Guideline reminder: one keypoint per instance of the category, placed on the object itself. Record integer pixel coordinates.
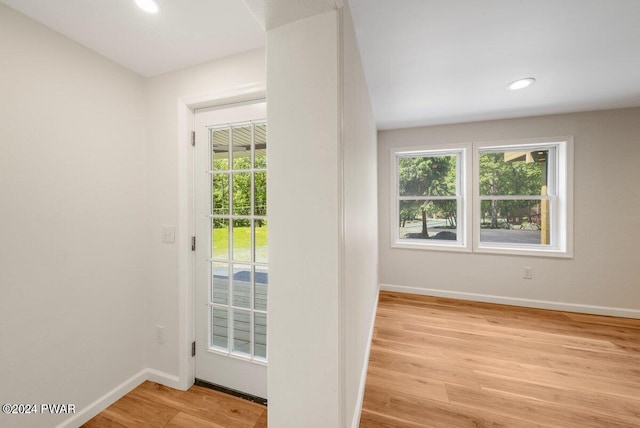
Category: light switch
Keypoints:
(169, 234)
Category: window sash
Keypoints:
(462, 186)
(552, 225)
(429, 154)
(553, 197)
(429, 198)
(552, 164)
(460, 239)
(518, 197)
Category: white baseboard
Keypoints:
(515, 301)
(355, 423)
(118, 392)
(163, 378)
(105, 401)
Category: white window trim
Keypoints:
(469, 197)
(462, 244)
(562, 239)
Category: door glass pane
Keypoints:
(220, 197)
(242, 240)
(261, 283)
(260, 335)
(239, 231)
(242, 193)
(220, 149)
(427, 176)
(260, 146)
(242, 286)
(220, 239)
(261, 233)
(428, 219)
(241, 331)
(220, 283)
(220, 328)
(260, 195)
(515, 222)
(241, 142)
(514, 173)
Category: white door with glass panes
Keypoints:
(231, 246)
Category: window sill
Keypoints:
(520, 251)
(496, 250)
(431, 245)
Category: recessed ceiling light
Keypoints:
(521, 84)
(148, 5)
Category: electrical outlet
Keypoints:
(159, 334)
(527, 272)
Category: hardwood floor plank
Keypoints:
(437, 344)
(586, 382)
(371, 419)
(101, 421)
(434, 414)
(419, 366)
(564, 396)
(376, 399)
(617, 336)
(608, 367)
(597, 320)
(184, 420)
(389, 345)
(204, 403)
(630, 359)
(135, 412)
(532, 335)
(262, 420)
(410, 383)
(155, 405)
(544, 412)
(501, 366)
(401, 315)
(474, 362)
(434, 311)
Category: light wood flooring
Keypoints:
(155, 405)
(447, 363)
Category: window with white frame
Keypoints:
(514, 198)
(522, 197)
(430, 205)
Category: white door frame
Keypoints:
(186, 229)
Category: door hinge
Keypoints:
(193, 243)
(193, 348)
(193, 138)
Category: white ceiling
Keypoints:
(183, 33)
(426, 61)
(436, 61)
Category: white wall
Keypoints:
(93, 165)
(303, 323)
(603, 275)
(360, 283)
(323, 220)
(169, 201)
(72, 232)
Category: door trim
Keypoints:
(186, 211)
